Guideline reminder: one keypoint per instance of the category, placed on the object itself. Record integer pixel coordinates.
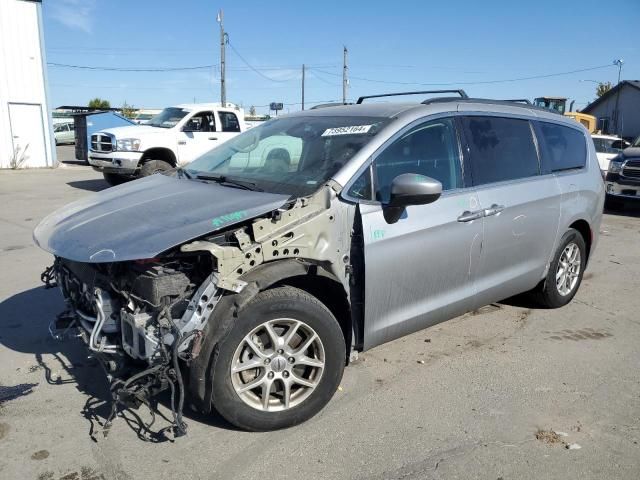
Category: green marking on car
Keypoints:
(229, 217)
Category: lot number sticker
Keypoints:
(354, 130)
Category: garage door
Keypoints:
(27, 134)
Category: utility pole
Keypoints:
(345, 80)
(223, 37)
(619, 63)
(303, 86)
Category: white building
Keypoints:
(25, 124)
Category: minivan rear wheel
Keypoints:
(280, 363)
(565, 272)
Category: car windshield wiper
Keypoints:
(182, 172)
(229, 181)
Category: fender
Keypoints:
(225, 313)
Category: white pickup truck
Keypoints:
(174, 137)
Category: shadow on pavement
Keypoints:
(92, 185)
(24, 322)
(630, 209)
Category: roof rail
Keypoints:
(332, 104)
(518, 100)
(460, 92)
(486, 101)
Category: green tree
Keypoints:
(99, 104)
(252, 111)
(602, 88)
(128, 110)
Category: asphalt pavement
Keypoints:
(497, 394)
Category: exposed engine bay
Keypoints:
(143, 319)
(130, 315)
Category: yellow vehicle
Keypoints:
(559, 104)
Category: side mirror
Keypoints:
(191, 127)
(413, 189)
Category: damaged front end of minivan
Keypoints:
(153, 316)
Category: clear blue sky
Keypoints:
(407, 42)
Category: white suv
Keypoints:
(174, 137)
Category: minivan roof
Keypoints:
(436, 105)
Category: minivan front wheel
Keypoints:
(565, 272)
(281, 362)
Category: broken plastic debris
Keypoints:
(421, 361)
(339, 389)
(573, 446)
(562, 434)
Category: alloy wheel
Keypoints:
(277, 365)
(568, 271)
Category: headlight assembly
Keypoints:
(128, 144)
(615, 166)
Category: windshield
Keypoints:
(167, 118)
(636, 142)
(610, 145)
(293, 156)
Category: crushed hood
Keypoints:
(146, 217)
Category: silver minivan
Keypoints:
(250, 285)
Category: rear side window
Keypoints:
(563, 148)
(229, 122)
(500, 149)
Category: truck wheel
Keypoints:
(154, 166)
(565, 272)
(114, 179)
(280, 363)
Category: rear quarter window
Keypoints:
(562, 148)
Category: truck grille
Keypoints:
(102, 142)
(631, 168)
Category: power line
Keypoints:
(312, 70)
(480, 82)
(126, 69)
(255, 69)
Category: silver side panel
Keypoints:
(520, 238)
(420, 270)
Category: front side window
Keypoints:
(430, 149)
(168, 118)
(293, 155)
(500, 149)
(564, 148)
(201, 122)
(229, 122)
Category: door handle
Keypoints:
(493, 210)
(468, 216)
(213, 138)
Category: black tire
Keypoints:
(612, 203)
(278, 303)
(114, 179)
(549, 295)
(154, 166)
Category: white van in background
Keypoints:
(607, 147)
